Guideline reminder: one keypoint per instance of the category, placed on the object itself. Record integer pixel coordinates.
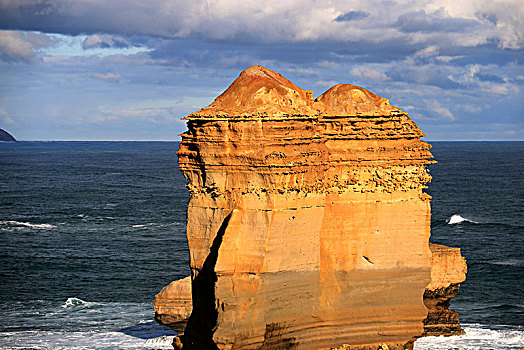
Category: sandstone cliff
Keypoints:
(307, 225)
(173, 304)
(448, 271)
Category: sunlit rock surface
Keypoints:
(448, 271)
(173, 304)
(307, 225)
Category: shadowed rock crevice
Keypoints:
(203, 320)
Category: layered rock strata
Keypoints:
(448, 271)
(307, 224)
(173, 304)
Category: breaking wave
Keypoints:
(163, 342)
(476, 337)
(457, 219)
(76, 303)
(19, 224)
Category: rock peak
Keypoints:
(259, 91)
(347, 99)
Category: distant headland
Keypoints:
(5, 136)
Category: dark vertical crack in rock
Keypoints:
(203, 320)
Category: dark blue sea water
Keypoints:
(91, 231)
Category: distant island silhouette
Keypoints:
(5, 136)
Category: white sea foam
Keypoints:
(80, 340)
(19, 224)
(457, 219)
(476, 337)
(145, 225)
(162, 342)
(76, 303)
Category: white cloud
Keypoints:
(104, 41)
(429, 51)
(441, 111)
(149, 115)
(276, 20)
(447, 59)
(14, 46)
(503, 20)
(364, 73)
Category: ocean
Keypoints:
(91, 231)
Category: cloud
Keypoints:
(444, 59)
(104, 41)
(364, 74)
(436, 22)
(441, 111)
(14, 47)
(143, 115)
(468, 23)
(429, 51)
(5, 117)
(111, 77)
(351, 16)
(426, 74)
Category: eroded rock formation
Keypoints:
(307, 225)
(173, 304)
(448, 271)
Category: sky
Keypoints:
(131, 69)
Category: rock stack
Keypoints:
(307, 225)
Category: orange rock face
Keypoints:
(307, 225)
(448, 271)
(173, 304)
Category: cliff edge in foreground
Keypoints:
(307, 224)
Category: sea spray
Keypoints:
(457, 219)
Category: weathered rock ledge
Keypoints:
(307, 224)
(448, 271)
